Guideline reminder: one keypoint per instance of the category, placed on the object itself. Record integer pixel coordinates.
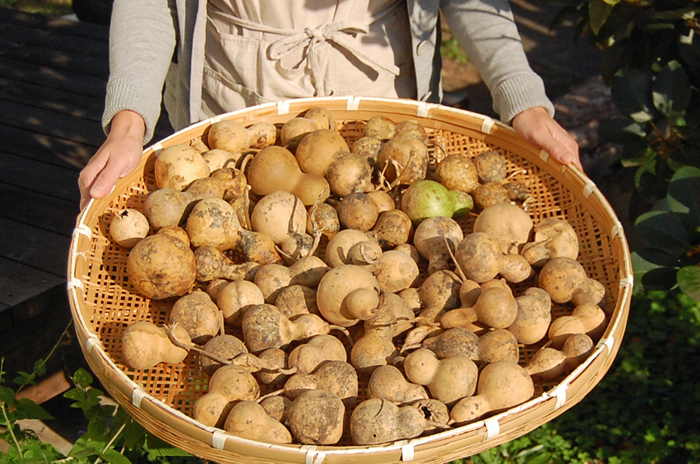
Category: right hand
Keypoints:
(118, 156)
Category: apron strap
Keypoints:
(337, 33)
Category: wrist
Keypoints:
(127, 124)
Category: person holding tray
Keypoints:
(217, 56)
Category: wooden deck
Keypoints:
(53, 74)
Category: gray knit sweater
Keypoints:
(155, 43)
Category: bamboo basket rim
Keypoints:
(482, 434)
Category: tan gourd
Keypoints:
(228, 135)
(357, 211)
(586, 318)
(496, 308)
(507, 224)
(387, 382)
(441, 290)
(198, 315)
(447, 379)
(452, 342)
(229, 384)
(534, 316)
(481, 259)
(403, 159)
(566, 281)
(145, 344)
(376, 421)
(376, 347)
(211, 264)
(222, 347)
(501, 385)
(316, 417)
(294, 300)
(265, 327)
(275, 168)
(128, 227)
(248, 419)
(161, 266)
(235, 297)
(339, 283)
(213, 222)
(306, 357)
(337, 377)
(554, 237)
(178, 165)
(316, 151)
(431, 239)
(498, 345)
(294, 129)
(549, 363)
(392, 228)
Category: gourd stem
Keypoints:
(457, 266)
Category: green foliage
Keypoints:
(450, 48)
(47, 7)
(112, 436)
(652, 64)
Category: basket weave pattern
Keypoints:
(162, 398)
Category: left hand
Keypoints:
(537, 127)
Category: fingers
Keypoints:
(89, 174)
(561, 146)
(98, 177)
(537, 127)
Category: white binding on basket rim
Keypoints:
(82, 229)
(493, 428)
(137, 396)
(283, 107)
(313, 456)
(487, 124)
(408, 451)
(218, 439)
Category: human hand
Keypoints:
(537, 127)
(118, 156)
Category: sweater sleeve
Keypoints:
(141, 45)
(489, 35)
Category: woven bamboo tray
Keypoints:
(161, 398)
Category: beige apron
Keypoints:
(270, 50)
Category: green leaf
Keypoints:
(649, 183)
(663, 230)
(689, 281)
(159, 448)
(689, 48)
(115, 457)
(133, 434)
(40, 367)
(598, 13)
(637, 153)
(648, 259)
(671, 90)
(28, 409)
(82, 378)
(631, 93)
(24, 379)
(685, 154)
(7, 396)
(663, 279)
(684, 194)
(620, 130)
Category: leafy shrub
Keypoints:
(652, 65)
